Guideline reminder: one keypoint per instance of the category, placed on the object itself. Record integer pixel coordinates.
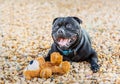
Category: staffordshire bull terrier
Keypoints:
(72, 41)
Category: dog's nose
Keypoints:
(60, 31)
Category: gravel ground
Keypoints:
(25, 33)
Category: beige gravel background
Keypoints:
(25, 33)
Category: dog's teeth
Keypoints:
(69, 40)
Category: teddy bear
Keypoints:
(44, 69)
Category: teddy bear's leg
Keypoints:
(65, 66)
(56, 58)
(57, 69)
(45, 73)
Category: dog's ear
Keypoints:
(78, 20)
(54, 20)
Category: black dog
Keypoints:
(72, 42)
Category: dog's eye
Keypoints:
(56, 27)
(68, 26)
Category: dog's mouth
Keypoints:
(66, 42)
(63, 41)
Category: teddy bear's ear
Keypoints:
(41, 60)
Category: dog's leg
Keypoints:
(94, 62)
(47, 58)
(53, 49)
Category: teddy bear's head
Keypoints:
(34, 67)
(35, 64)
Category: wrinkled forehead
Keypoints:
(64, 20)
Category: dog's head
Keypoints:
(66, 31)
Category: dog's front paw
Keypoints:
(95, 67)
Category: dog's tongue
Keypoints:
(63, 42)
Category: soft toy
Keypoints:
(40, 68)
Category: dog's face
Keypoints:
(66, 31)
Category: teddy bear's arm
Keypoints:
(57, 69)
(31, 74)
(56, 58)
(27, 76)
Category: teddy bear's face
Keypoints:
(33, 65)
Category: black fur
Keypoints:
(81, 49)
